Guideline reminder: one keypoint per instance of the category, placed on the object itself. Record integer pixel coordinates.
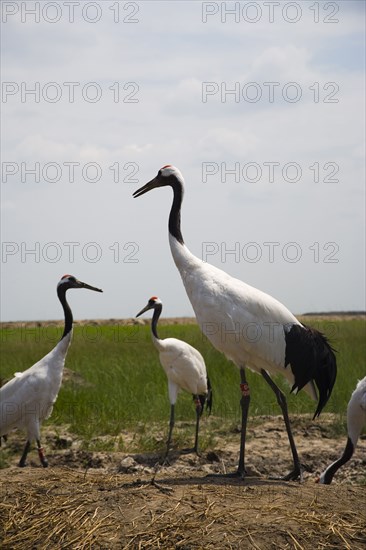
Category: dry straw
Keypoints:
(68, 509)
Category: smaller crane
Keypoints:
(184, 367)
(28, 398)
(356, 420)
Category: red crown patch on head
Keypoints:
(65, 276)
(167, 166)
(154, 298)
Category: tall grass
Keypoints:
(117, 381)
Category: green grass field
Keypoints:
(119, 383)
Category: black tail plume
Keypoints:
(311, 358)
(326, 374)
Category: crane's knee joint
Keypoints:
(244, 388)
(198, 408)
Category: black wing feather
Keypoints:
(311, 358)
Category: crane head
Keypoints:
(151, 304)
(69, 281)
(167, 175)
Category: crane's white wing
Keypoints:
(184, 365)
(244, 323)
(30, 395)
(238, 319)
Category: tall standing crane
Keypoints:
(229, 310)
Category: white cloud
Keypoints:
(168, 54)
(226, 143)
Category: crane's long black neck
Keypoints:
(154, 323)
(61, 293)
(174, 216)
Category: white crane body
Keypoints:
(184, 367)
(248, 324)
(28, 398)
(356, 411)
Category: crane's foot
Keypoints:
(164, 461)
(42, 457)
(22, 464)
(196, 451)
(190, 450)
(297, 474)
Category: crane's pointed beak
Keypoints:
(89, 287)
(156, 182)
(146, 308)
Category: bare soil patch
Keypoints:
(106, 500)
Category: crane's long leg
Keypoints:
(198, 415)
(41, 454)
(22, 461)
(244, 404)
(171, 426)
(281, 399)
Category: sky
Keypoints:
(259, 104)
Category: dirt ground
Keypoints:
(106, 500)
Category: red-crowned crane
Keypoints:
(356, 420)
(28, 398)
(185, 369)
(250, 327)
